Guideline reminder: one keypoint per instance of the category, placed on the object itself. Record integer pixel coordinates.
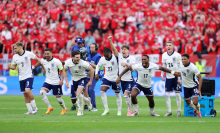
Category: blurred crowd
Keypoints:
(145, 25)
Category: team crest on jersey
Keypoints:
(174, 59)
(113, 63)
(149, 70)
(52, 65)
(128, 61)
(79, 67)
(26, 58)
(187, 71)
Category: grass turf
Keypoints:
(12, 118)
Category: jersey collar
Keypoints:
(171, 54)
(74, 63)
(187, 65)
(22, 54)
(51, 59)
(126, 57)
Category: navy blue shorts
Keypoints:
(26, 84)
(127, 86)
(172, 85)
(108, 83)
(82, 82)
(57, 89)
(146, 91)
(190, 92)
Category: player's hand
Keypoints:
(118, 80)
(89, 84)
(61, 82)
(97, 77)
(179, 81)
(123, 64)
(200, 94)
(110, 38)
(67, 85)
(177, 74)
(163, 79)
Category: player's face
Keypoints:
(17, 49)
(145, 61)
(169, 47)
(80, 45)
(92, 48)
(125, 52)
(185, 61)
(107, 56)
(47, 55)
(76, 58)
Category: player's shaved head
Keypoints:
(75, 52)
(107, 50)
(146, 56)
(145, 61)
(107, 53)
(48, 49)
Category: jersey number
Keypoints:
(170, 64)
(109, 68)
(22, 64)
(145, 75)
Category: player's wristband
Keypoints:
(172, 72)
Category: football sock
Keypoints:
(44, 98)
(119, 101)
(191, 105)
(33, 104)
(104, 100)
(198, 107)
(61, 102)
(128, 102)
(29, 107)
(135, 107)
(168, 102)
(178, 101)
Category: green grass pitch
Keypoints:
(12, 118)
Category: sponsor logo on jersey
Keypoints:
(149, 70)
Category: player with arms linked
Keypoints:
(143, 83)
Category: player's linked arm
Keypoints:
(13, 67)
(176, 74)
(122, 73)
(200, 84)
(91, 74)
(64, 74)
(115, 51)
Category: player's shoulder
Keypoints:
(42, 60)
(152, 64)
(68, 61)
(164, 54)
(15, 56)
(83, 62)
(177, 54)
(56, 60)
(28, 52)
(192, 65)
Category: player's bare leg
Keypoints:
(151, 105)
(134, 94)
(31, 97)
(43, 95)
(62, 104)
(104, 99)
(178, 101)
(28, 103)
(87, 100)
(195, 105)
(80, 98)
(128, 101)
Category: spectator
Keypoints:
(89, 38)
(7, 33)
(80, 25)
(211, 47)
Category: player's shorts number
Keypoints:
(27, 84)
(58, 90)
(195, 91)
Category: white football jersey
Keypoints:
(144, 74)
(171, 62)
(189, 74)
(52, 70)
(24, 64)
(111, 68)
(129, 60)
(78, 71)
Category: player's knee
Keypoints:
(167, 94)
(42, 92)
(27, 90)
(195, 102)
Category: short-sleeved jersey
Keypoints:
(52, 70)
(129, 60)
(189, 74)
(111, 68)
(24, 64)
(144, 74)
(78, 71)
(171, 62)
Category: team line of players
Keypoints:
(114, 63)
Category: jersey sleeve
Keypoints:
(66, 65)
(196, 71)
(134, 67)
(85, 64)
(155, 66)
(32, 55)
(99, 65)
(59, 65)
(13, 61)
